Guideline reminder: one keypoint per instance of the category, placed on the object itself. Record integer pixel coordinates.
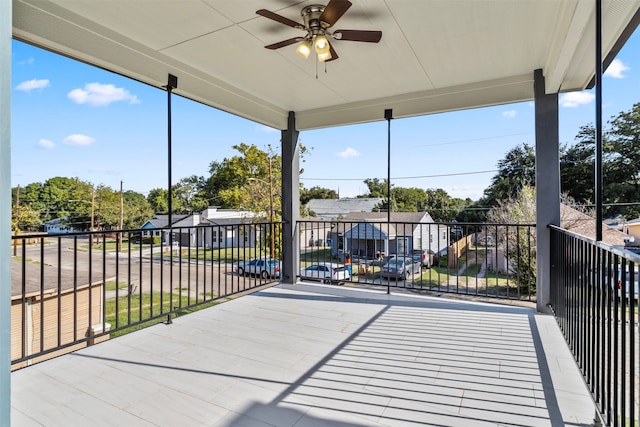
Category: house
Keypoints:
(189, 230)
(578, 222)
(338, 208)
(229, 231)
(314, 232)
(570, 219)
(632, 230)
(59, 226)
(368, 234)
(153, 226)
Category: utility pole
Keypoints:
(93, 198)
(272, 226)
(15, 241)
(99, 210)
(121, 219)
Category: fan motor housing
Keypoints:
(311, 16)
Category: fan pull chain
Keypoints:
(316, 69)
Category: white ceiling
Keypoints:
(434, 56)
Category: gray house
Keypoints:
(368, 234)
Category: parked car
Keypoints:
(400, 268)
(327, 272)
(623, 288)
(424, 257)
(267, 268)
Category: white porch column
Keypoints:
(5, 212)
(547, 184)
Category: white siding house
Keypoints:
(211, 228)
(368, 235)
(58, 225)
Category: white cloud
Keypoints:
(615, 69)
(30, 85)
(98, 94)
(575, 99)
(45, 143)
(510, 114)
(349, 152)
(78, 139)
(265, 129)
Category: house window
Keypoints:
(401, 245)
(444, 235)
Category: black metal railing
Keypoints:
(490, 260)
(76, 289)
(594, 297)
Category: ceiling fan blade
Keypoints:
(279, 18)
(334, 54)
(284, 43)
(333, 11)
(358, 35)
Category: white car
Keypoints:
(327, 272)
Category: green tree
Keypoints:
(252, 181)
(316, 193)
(136, 210)
(577, 164)
(190, 194)
(24, 218)
(409, 199)
(515, 171)
(442, 207)
(157, 199)
(518, 242)
(377, 187)
(228, 177)
(622, 176)
(620, 165)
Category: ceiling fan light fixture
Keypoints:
(304, 49)
(322, 57)
(321, 44)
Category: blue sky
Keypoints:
(71, 119)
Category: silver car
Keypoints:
(400, 268)
(267, 268)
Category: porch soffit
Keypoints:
(434, 56)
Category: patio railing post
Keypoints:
(290, 201)
(547, 183)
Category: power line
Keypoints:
(401, 177)
(471, 140)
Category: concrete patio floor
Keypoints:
(315, 355)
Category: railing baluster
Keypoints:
(605, 320)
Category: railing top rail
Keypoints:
(605, 246)
(40, 234)
(453, 224)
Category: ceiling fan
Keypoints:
(318, 20)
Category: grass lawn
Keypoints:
(150, 305)
(224, 255)
(111, 285)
